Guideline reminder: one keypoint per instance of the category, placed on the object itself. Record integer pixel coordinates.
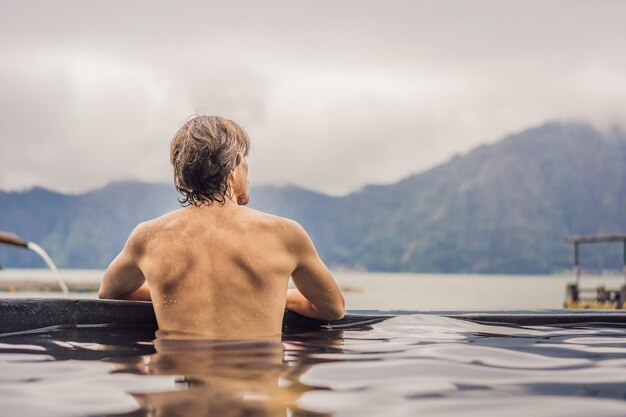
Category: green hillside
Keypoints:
(505, 207)
(502, 208)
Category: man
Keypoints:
(215, 267)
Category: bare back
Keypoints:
(218, 271)
(222, 271)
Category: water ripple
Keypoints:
(405, 366)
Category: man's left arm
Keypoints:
(123, 279)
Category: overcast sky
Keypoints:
(334, 94)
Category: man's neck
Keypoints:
(217, 205)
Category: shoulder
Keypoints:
(149, 230)
(287, 229)
(291, 233)
(139, 237)
(293, 230)
(278, 224)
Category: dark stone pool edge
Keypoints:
(24, 314)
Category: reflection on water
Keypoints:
(220, 377)
(404, 366)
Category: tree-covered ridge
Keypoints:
(502, 208)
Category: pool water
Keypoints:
(404, 366)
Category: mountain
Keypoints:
(505, 207)
(502, 208)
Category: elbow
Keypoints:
(339, 314)
(102, 294)
(340, 310)
(336, 313)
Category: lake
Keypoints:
(381, 291)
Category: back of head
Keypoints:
(202, 153)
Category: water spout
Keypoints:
(39, 251)
(14, 240)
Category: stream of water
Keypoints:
(44, 255)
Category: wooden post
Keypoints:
(624, 263)
(577, 263)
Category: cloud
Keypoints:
(334, 95)
(72, 120)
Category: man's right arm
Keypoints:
(317, 294)
(123, 279)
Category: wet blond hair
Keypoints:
(202, 153)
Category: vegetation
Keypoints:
(502, 208)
